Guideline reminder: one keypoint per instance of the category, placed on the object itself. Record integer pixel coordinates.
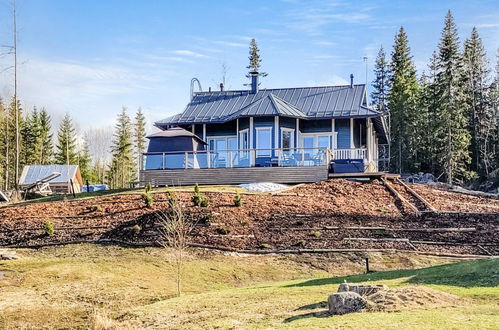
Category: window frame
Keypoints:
(292, 141)
(263, 152)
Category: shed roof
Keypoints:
(304, 102)
(34, 173)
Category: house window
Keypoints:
(287, 138)
(244, 139)
(263, 141)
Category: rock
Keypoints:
(345, 302)
(8, 255)
(362, 289)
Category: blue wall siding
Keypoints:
(243, 123)
(342, 126)
(198, 130)
(221, 129)
(315, 126)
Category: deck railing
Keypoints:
(246, 158)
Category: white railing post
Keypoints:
(208, 159)
(163, 161)
(186, 157)
(230, 159)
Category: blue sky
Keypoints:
(90, 58)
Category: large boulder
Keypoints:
(362, 289)
(345, 302)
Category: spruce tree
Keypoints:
(30, 133)
(380, 84)
(427, 104)
(139, 136)
(121, 170)
(66, 143)
(480, 113)
(254, 57)
(402, 104)
(452, 136)
(85, 164)
(45, 141)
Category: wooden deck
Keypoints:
(183, 177)
(367, 175)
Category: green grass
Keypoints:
(85, 286)
(300, 304)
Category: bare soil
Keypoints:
(334, 214)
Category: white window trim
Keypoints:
(246, 130)
(316, 138)
(286, 129)
(263, 153)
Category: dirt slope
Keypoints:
(335, 214)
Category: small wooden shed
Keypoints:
(61, 185)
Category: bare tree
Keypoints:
(175, 229)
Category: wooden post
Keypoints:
(367, 265)
(88, 187)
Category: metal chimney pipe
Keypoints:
(254, 82)
(351, 80)
(221, 87)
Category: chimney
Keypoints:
(254, 82)
(351, 80)
(209, 89)
(221, 87)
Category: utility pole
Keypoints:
(15, 93)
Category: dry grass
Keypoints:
(106, 287)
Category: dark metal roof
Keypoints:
(174, 132)
(303, 102)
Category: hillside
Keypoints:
(335, 214)
(107, 287)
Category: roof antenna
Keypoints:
(351, 80)
(193, 81)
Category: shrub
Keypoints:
(204, 202)
(198, 199)
(49, 227)
(206, 220)
(172, 199)
(222, 230)
(148, 199)
(264, 246)
(136, 229)
(315, 234)
(238, 201)
(148, 188)
(95, 208)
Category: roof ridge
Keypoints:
(274, 89)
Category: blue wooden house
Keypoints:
(284, 135)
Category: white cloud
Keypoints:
(486, 25)
(332, 80)
(229, 43)
(184, 52)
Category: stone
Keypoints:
(345, 302)
(362, 289)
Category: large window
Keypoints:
(220, 145)
(263, 141)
